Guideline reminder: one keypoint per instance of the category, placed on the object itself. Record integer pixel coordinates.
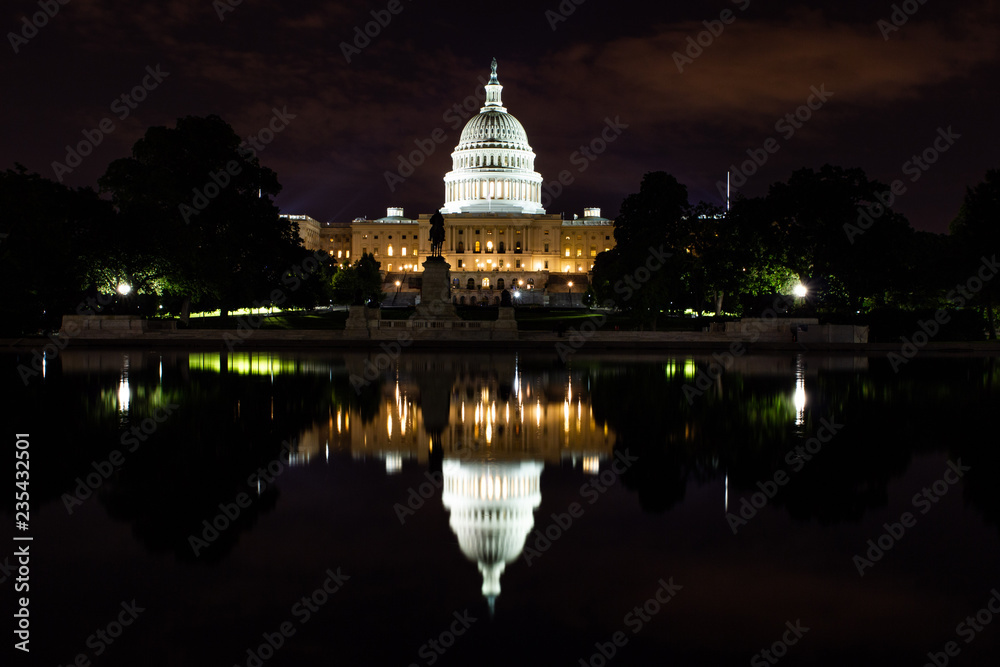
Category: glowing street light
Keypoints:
(124, 289)
(800, 291)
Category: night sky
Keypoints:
(606, 60)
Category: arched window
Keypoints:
(478, 248)
(471, 284)
(517, 246)
(461, 300)
(461, 247)
(501, 248)
(486, 283)
(389, 250)
(531, 281)
(489, 246)
(500, 283)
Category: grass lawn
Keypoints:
(528, 319)
(292, 320)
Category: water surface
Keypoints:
(509, 508)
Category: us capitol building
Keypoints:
(497, 235)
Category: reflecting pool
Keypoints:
(273, 508)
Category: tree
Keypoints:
(977, 234)
(204, 203)
(840, 235)
(643, 273)
(359, 284)
(51, 236)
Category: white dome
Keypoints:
(493, 166)
(491, 506)
(493, 129)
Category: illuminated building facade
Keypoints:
(497, 234)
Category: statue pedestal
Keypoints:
(435, 292)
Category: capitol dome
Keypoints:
(493, 129)
(491, 506)
(493, 166)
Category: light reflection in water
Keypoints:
(800, 391)
(124, 392)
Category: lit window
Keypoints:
(390, 251)
(348, 254)
(404, 251)
(567, 252)
(340, 254)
